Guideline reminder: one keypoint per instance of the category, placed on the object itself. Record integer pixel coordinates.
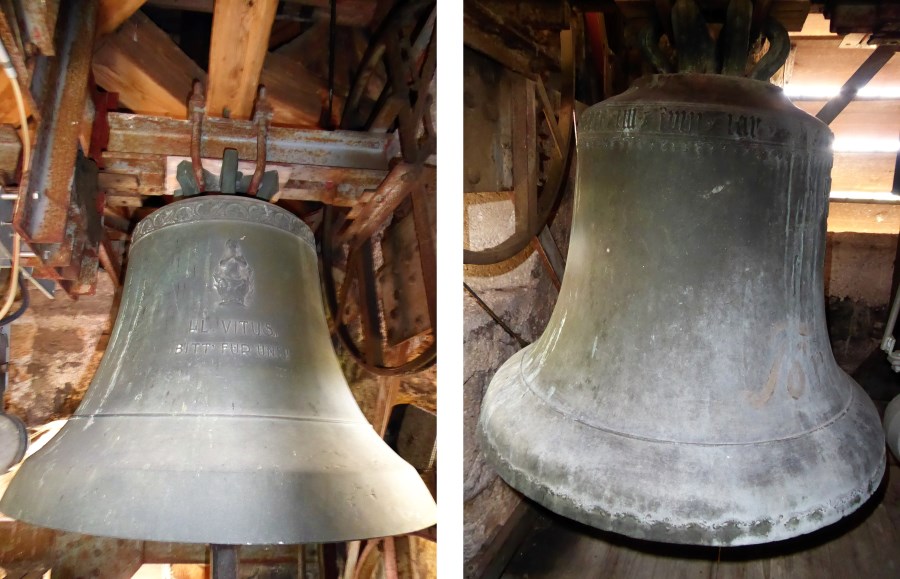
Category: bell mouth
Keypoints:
(236, 480)
(716, 495)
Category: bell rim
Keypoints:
(251, 503)
(515, 401)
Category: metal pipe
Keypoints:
(332, 47)
(198, 109)
(261, 117)
(858, 80)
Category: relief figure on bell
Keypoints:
(233, 278)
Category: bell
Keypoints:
(684, 389)
(219, 413)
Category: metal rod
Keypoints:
(522, 343)
(198, 109)
(860, 78)
(223, 561)
(332, 42)
(895, 189)
(261, 116)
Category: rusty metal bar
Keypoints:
(109, 262)
(42, 214)
(551, 253)
(149, 135)
(857, 81)
(197, 105)
(368, 305)
(262, 116)
(896, 186)
(394, 189)
(487, 309)
(427, 250)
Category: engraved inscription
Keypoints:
(232, 338)
(232, 327)
(743, 126)
(263, 351)
(233, 279)
(679, 121)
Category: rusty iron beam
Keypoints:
(423, 199)
(368, 304)
(110, 261)
(131, 134)
(392, 191)
(42, 213)
(40, 23)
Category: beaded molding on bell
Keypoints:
(230, 209)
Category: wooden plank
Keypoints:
(112, 13)
(9, 114)
(862, 172)
(148, 70)
(853, 217)
(821, 61)
(240, 41)
(10, 151)
(296, 95)
(816, 26)
(863, 119)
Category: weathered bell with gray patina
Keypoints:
(685, 389)
(219, 413)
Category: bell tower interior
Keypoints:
(277, 162)
(569, 166)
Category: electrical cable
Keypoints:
(23, 286)
(10, 72)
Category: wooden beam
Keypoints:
(822, 61)
(114, 12)
(872, 172)
(240, 41)
(296, 95)
(9, 114)
(882, 218)
(863, 119)
(860, 78)
(148, 70)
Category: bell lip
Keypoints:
(212, 510)
(271, 216)
(509, 398)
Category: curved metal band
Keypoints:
(223, 208)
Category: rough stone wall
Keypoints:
(522, 294)
(858, 273)
(55, 350)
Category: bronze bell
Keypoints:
(684, 389)
(219, 413)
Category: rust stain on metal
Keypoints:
(43, 212)
(163, 136)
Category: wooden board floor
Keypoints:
(863, 545)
